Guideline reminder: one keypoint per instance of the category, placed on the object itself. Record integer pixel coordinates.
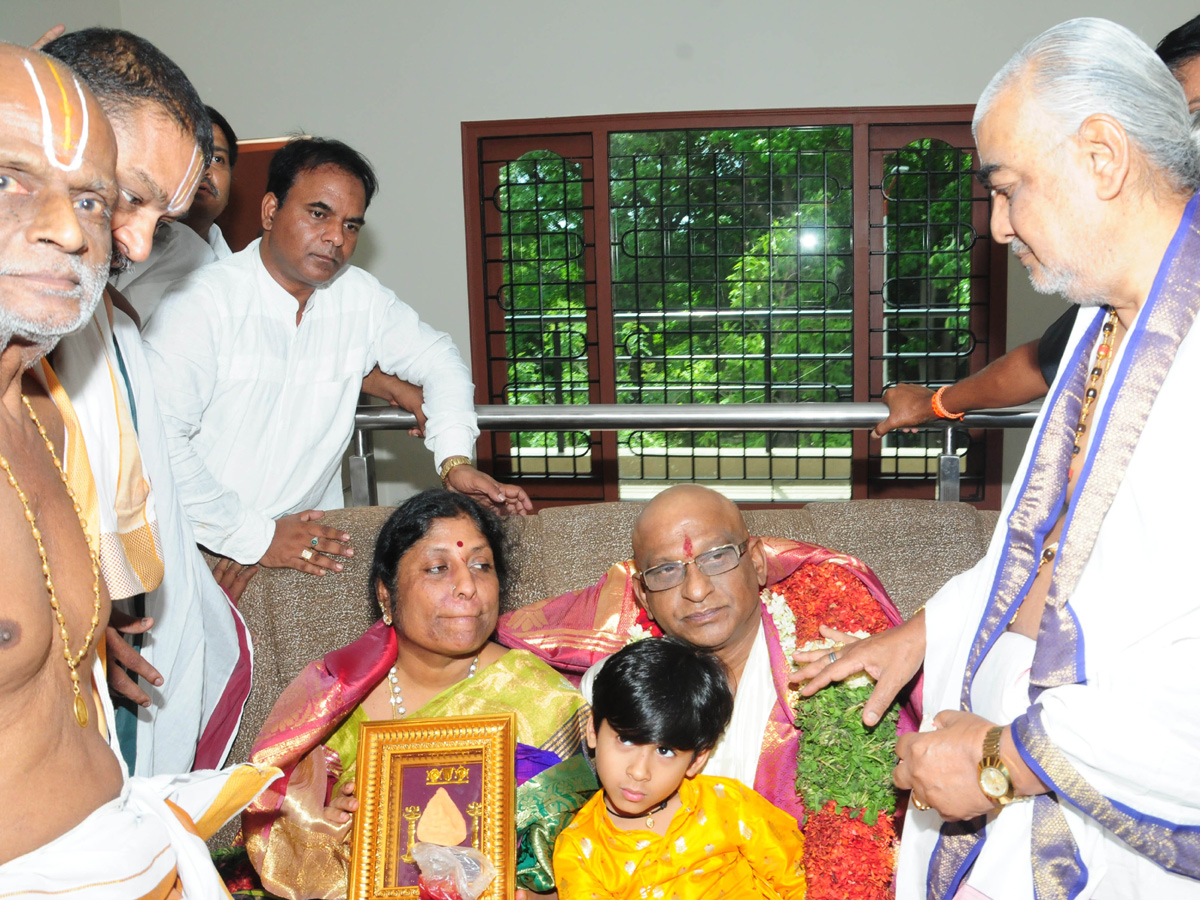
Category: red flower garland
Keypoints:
(644, 620)
(827, 594)
(846, 857)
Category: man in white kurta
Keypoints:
(259, 360)
(177, 251)
(1060, 754)
(259, 410)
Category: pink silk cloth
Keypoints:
(573, 631)
(317, 701)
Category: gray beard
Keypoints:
(1063, 281)
(43, 333)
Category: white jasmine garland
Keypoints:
(638, 633)
(784, 619)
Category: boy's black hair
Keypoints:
(662, 691)
(124, 70)
(230, 137)
(1180, 46)
(305, 154)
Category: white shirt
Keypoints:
(736, 753)
(178, 251)
(259, 410)
(216, 240)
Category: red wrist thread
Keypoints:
(939, 408)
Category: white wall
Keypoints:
(395, 78)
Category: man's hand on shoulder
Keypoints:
(909, 405)
(505, 499)
(297, 541)
(121, 656)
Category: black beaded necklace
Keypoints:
(649, 814)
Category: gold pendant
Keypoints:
(649, 821)
(81, 715)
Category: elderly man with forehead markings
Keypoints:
(72, 820)
(196, 661)
(1062, 754)
(183, 246)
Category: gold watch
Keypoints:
(994, 779)
(449, 463)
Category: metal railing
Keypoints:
(668, 417)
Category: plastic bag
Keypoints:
(451, 873)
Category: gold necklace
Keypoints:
(73, 660)
(1103, 358)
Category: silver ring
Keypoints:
(833, 656)
(314, 542)
(306, 554)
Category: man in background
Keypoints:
(195, 663)
(184, 245)
(260, 359)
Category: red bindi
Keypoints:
(687, 546)
(460, 543)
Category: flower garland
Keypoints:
(843, 769)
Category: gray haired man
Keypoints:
(1062, 736)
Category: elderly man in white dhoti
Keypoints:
(1058, 672)
(73, 823)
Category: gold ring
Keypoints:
(306, 554)
(918, 804)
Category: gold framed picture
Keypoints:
(447, 780)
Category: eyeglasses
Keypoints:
(717, 561)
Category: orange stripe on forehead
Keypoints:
(66, 107)
(76, 159)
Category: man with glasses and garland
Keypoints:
(697, 575)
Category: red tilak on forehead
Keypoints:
(460, 543)
(687, 545)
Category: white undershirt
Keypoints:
(736, 754)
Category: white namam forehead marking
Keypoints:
(47, 126)
(191, 178)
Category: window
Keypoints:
(729, 258)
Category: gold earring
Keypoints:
(387, 618)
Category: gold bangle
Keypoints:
(939, 408)
(451, 462)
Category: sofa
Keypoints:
(914, 546)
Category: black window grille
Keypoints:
(773, 261)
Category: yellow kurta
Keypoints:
(725, 841)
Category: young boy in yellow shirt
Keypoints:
(659, 829)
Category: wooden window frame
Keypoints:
(604, 486)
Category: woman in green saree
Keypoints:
(438, 574)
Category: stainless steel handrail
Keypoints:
(668, 417)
